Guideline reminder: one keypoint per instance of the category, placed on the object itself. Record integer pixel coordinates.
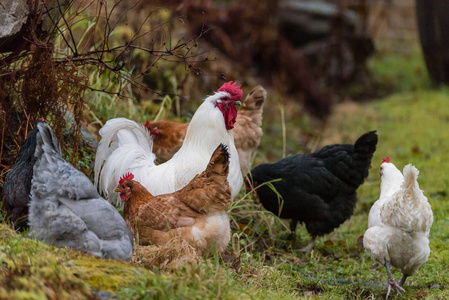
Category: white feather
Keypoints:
(399, 222)
(125, 146)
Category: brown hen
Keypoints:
(167, 138)
(197, 212)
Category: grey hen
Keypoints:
(65, 208)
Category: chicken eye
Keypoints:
(225, 98)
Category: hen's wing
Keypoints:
(165, 212)
(306, 187)
(66, 207)
(350, 163)
(116, 240)
(210, 190)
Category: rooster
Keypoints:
(126, 146)
(399, 224)
(17, 184)
(318, 189)
(197, 212)
(65, 208)
(168, 136)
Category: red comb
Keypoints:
(42, 119)
(232, 89)
(127, 176)
(147, 124)
(386, 160)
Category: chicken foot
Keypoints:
(309, 246)
(392, 283)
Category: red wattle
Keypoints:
(122, 197)
(229, 112)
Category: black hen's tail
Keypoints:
(17, 184)
(366, 144)
(364, 149)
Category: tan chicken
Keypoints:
(168, 136)
(196, 213)
(248, 127)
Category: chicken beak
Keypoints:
(117, 190)
(238, 103)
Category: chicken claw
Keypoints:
(309, 246)
(395, 285)
(392, 283)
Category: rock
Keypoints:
(14, 20)
(13, 15)
(306, 21)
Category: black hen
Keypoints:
(18, 183)
(317, 189)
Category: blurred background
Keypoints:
(80, 63)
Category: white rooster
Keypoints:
(126, 146)
(399, 224)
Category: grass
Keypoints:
(260, 263)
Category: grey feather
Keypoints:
(66, 209)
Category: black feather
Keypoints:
(18, 183)
(318, 189)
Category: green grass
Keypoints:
(398, 73)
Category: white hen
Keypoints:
(399, 224)
(126, 146)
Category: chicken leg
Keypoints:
(310, 244)
(404, 277)
(392, 283)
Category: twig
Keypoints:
(3, 134)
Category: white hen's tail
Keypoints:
(125, 146)
(410, 178)
(408, 208)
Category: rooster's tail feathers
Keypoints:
(125, 146)
(366, 144)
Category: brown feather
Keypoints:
(157, 219)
